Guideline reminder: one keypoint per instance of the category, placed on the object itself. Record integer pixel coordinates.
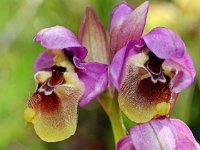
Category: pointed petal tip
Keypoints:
(93, 36)
(123, 3)
(89, 9)
(146, 3)
(144, 7)
(129, 25)
(119, 13)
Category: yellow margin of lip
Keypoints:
(29, 114)
(162, 108)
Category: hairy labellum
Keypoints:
(145, 88)
(52, 109)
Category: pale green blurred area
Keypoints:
(20, 20)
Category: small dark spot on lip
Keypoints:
(58, 68)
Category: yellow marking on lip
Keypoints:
(169, 71)
(62, 60)
(42, 76)
(139, 59)
(29, 114)
(162, 108)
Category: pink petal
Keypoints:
(119, 60)
(164, 43)
(43, 62)
(95, 78)
(157, 134)
(185, 72)
(131, 28)
(93, 36)
(120, 13)
(163, 133)
(185, 138)
(125, 144)
(59, 38)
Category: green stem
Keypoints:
(111, 107)
(117, 124)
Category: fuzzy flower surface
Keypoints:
(161, 133)
(64, 81)
(147, 70)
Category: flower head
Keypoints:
(63, 80)
(148, 71)
(160, 133)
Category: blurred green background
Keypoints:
(20, 20)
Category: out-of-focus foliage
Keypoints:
(20, 20)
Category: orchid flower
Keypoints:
(63, 80)
(161, 133)
(148, 71)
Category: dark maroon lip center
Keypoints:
(154, 67)
(55, 79)
(57, 75)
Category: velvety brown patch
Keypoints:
(144, 90)
(159, 91)
(45, 103)
(140, 97)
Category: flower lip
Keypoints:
(54, 114)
